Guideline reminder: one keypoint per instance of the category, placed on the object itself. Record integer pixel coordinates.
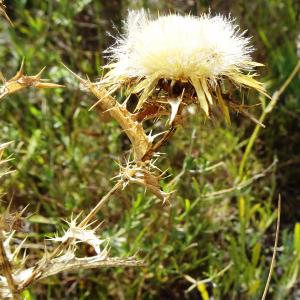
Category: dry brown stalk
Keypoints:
(51, 264)
(133, 129)
(76, 264)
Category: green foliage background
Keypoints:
(64, 157)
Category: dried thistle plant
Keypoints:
(168, 63)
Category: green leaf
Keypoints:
(41, 220)
(297, 238)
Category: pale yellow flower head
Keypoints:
(199, 51)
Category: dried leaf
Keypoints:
(147, 85)
(200, 94)
(248, 81)
(144, 176)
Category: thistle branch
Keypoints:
(76, 264)
(100, 204)
(133, 129)
(42, 266)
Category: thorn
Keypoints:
(24, 209)
(3, 12)
(77, 217)
(44, 85)
(74, 74)
(22, 65)
(89, 225)
(95, 104)
(8, 239)
(17, 250)
(20, 73)
(99, 225)
(39, 74)
(151, 137)
(25, 257)
(5, 145)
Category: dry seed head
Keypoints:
(199, 52)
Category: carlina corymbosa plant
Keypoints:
(161, 66)
(165, 64)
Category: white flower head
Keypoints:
(198, 52)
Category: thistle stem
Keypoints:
(265, 112)
(100, 204)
